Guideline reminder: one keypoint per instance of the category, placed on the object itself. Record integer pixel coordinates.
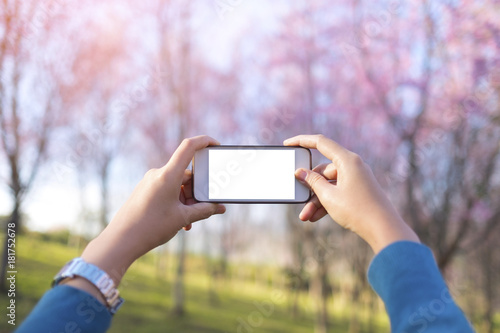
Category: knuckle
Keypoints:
(326, 165)
(154, 175)
(313, 180)
(187, 142)
(328, 198)
(355, 159)
(321, 167)
(151, 173)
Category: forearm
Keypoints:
(386, 230)
(416, 297)
(160, 205)
(113, 251)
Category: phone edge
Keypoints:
(252, 202)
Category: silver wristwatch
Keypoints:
(96, 276)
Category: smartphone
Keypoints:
(250, 174)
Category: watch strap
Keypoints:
(96, 276)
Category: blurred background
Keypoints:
(94, 93)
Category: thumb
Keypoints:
(203, 210)
(316, 182)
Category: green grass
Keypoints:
(246, 300)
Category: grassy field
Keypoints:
(248, 302)
(252, 300)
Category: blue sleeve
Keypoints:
(65, 309)
(406, 277)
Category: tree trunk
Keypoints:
(103, 212)
(317, 255)
(15, 218)
(295, 232)
(319, 287)
(354, 326)
(294, 302)
(178, 292)
(182, 92)
(162, 263)
(488, 288)
(372, 311)
(212, 270)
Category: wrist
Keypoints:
(97, 281)
(83, 284)
(390, 230)
(111, 253)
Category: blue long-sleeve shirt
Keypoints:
(406, 277)
(65, 309)
(404, 274)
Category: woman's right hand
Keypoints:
(356, 201)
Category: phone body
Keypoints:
(250, 174)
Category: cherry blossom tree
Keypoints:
(423, 111)
(26, 124)
(103, 80)
(189, 98)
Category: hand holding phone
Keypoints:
(250, 174)
(356, 201)
(160, 205)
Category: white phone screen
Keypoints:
(239, 174)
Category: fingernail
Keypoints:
(220, 209)
(301, 174)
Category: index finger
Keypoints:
(329, 148)
(185, 152)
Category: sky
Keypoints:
(55, 202)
